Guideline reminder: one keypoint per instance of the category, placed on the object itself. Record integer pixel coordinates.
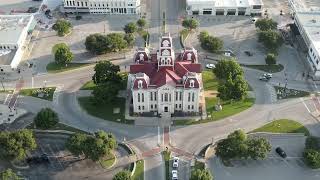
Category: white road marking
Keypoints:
(6, 99)
(305, 104)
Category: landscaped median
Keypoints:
(166, 156)
(285, 93)
(108, 161)
(283, 126)
(42, 93)
(54, 67)
(139, 171)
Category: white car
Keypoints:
(210, 66)
(174, 175)
(268, 75)
(175, 163)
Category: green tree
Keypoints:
(62, 27)
(75, 144)
(116, 42)
(226, 68)
(62, 53)
(122, 175)
(201, 174)
(210, 43)
(203, 36)
(16, 145)
(190, 24)
(130, 39)
(46, 118)
(102, 44)
(271, 59)
(105, 71)
(272, 40)
(258, 148)
(312, 143)
(130, 28)
(8, 174)
(312, 158)
(142, 23)
(266, 24)
(106, 93)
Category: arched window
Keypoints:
(168, 61)
(165, 43)
(189, 56)
(163, 61)
(191, 83)
(166, 97)
(139, 84)
(166, 52)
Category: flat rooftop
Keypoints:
(227, 3)
(6, 57)
(11, 27)
(310, 22)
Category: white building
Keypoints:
(103, 6)
(165, 82)
(225, 7)
(13, 33)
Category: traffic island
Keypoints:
(166, 156)
(108, 161)
(285, 93)
(45, 93)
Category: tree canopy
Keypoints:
(8, 174)
(102, 44)
(142, 23)
(46, 118)
(210, 43)
(271, 59)
(62, 53)
(93, 147)
(130, 28)
(190, 24)
(106, 71)
(122, 175)
(201, 174)
(237, 146)
(233, 88)
(130, 39)
(62, 27)
(272, 40)
(225, 68)
(312, 158)
(16, 145)
(266, 24)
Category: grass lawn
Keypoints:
(59, 126)
(283, 126)
(210, 82)
(139, 173)
(267, 68)
(56, 68)
(166, 156)
(46, 92)
(283, 93)
(228, 109)
(199, 165)
(88, 86)
(105, 111)
(107, 162)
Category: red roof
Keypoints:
(166, 75)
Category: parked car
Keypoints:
(210, 66)
(281, 152)
(248, 53)
(174, 175)
(263, 78)
(268, 75)
(175, 163)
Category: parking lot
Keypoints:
(20, 6)
(273, 168)
(63, 165)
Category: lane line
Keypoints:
(304, 104)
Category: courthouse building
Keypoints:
(165, 82)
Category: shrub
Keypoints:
(312, 158)
(46, 119)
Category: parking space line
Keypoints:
(301, 99)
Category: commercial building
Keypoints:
(165, 82)
(102, 6)
(225, 7)
(14, 30)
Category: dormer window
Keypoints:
(191, 83)
(163, 61)
(168, 61)
(141, 56)
(140, 84)
(189, 55)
